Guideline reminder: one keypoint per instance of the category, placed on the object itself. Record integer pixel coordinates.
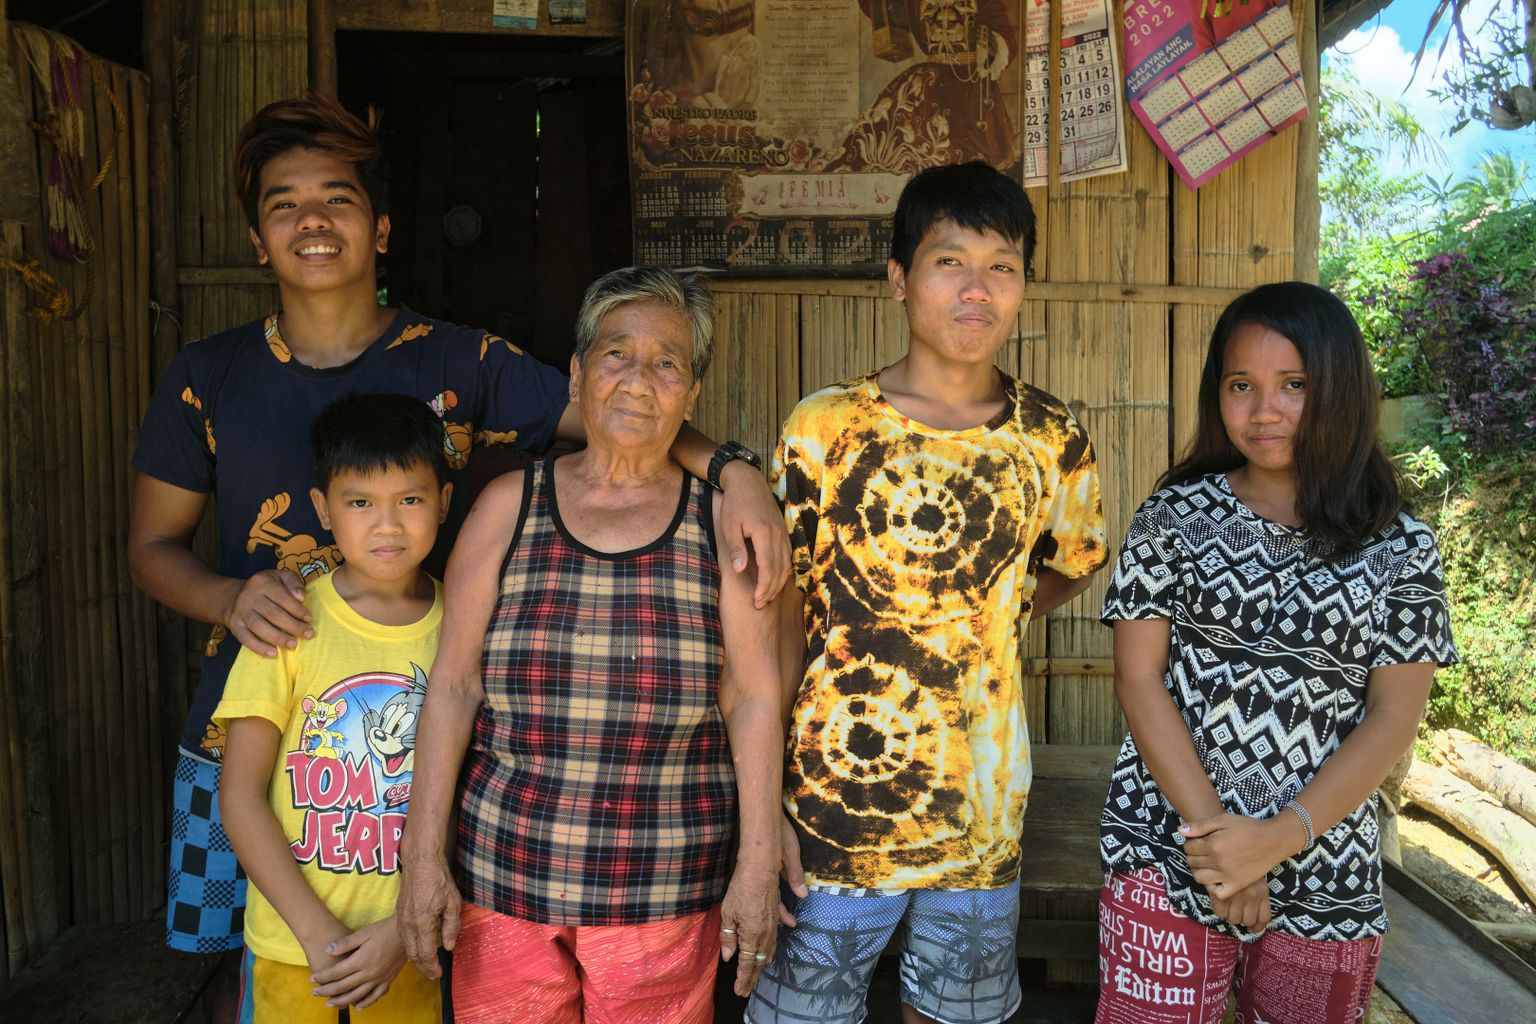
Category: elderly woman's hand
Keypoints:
(749, 513)
(749, 920)
(427, 912)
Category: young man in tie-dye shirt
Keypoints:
(934, 507)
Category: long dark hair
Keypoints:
(1346, 487)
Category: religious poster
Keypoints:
(1212, 80)
(1091, 129)
(774, 136)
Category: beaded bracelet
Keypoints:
(1306, 822)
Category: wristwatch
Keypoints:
(730, 452)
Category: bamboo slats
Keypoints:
(82, 804)
(240, 56)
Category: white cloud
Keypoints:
(1383, 61)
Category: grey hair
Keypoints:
(684, 293)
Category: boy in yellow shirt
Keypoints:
(317, 769)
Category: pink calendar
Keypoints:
(1212, 80)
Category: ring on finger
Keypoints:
(727, 931)
(760, 957)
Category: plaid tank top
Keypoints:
(599, 788)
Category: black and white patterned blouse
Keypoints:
(1270, 652)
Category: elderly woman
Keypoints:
(579, 684)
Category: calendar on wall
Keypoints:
(1091, 131)
(1212, 80)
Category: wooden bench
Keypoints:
(1059, 873)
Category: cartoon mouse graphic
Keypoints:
(317, 739)
(391, 730)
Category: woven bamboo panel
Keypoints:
(81, 804)
(240, 56)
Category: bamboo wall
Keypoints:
(240, 55)
(83, 705)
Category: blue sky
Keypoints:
(1381, 52)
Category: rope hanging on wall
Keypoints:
(54, 302)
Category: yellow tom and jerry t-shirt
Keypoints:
(347, 701)
(917, 549)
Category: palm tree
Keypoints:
(1511, 105)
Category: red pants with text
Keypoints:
(1157, 966)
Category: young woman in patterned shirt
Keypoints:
(1278, 620)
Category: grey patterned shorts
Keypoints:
(958, 962)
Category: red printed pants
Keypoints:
(1157, 966)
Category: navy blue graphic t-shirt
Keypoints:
(231, 417)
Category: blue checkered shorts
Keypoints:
(958, 962)
(205, 898)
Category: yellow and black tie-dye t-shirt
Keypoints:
(917, 550)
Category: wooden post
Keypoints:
(158, 62)
(1309, 206)
(322, 47)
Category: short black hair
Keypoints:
(975, 195)
(314, 122)
(372, 433)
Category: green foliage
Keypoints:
(1477, 331)
(1485, 527)
(1356, 130)
(1441, 276)
(1368, 276)
(1423, 467)
(1491, 82)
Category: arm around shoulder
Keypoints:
(750, 688)
(263, 612)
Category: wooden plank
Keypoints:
(160, 174)
(1042, 938)
(1060, 846)
(1066, 291)
(84, 356)
(1086, 291)
(741, 393)
(1074, 761)
(1036, 666)
(1434, 957)
(18, 537)
(225, 275)
(322, 47)
(109, 506)
(1307, 230)
(37, 469)
(142, 365)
